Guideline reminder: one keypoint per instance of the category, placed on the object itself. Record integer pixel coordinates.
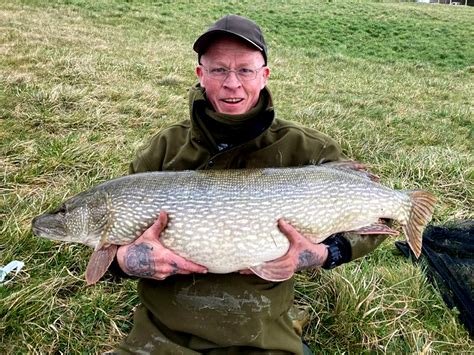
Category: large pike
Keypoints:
(226, 220)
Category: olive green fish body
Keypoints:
(227, 220)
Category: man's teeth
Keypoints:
(232, 101)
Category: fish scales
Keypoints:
(227, 220)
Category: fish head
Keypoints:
(80, 219)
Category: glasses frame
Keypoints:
(235, 71)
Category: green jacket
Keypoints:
(188, 145)
(224, 313)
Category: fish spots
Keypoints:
(228, 220)
(176, 224)
(130, 223)
(203, 230)
(241, 246)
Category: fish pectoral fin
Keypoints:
(377, 228)
(99, 263)
(106, 225)
(273, 271)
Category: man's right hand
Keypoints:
(148, 257)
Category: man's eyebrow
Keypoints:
(241, 65)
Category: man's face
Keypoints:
(232, 95)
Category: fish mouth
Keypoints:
(49, 226)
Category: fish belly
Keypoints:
(228, 221)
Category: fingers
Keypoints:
(163, 219)
(297, 241)
(153, 260)
(167, 269)
(148, 257)
(288, 230)
(154, 231)
(159, 225)
(186, 266)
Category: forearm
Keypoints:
(363, 244)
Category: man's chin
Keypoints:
(232, 109)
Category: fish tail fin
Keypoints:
(420, 214)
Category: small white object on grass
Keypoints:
(13, 265)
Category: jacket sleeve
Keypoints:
(363, 244)
(151, 156)
(141, 161)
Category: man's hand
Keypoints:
(302, 254)
(147, 257)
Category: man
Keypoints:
(232, 125)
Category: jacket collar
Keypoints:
(199, 105)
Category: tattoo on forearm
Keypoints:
(307, 259)
(138, 260)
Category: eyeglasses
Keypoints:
(244, 74)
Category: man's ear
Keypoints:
(266, 75)
(200, 74)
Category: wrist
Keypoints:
(312, 257)
(120, 258)
(339, 251)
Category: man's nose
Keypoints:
(232, 80)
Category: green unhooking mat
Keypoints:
(449, 252)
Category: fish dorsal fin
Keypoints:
(353, 167)
(99, 263)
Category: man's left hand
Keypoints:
(302, 254)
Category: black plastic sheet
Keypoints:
(449, 252)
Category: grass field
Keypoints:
(84, 83)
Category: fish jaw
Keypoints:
(56, 227)
(80, 219)
(50, 226)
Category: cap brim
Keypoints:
(203, 42)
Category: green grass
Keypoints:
(83, 84)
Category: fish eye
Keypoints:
(60, 210)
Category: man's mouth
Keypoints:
(232, 100)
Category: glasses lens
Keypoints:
(244, 74)
(218, 73)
